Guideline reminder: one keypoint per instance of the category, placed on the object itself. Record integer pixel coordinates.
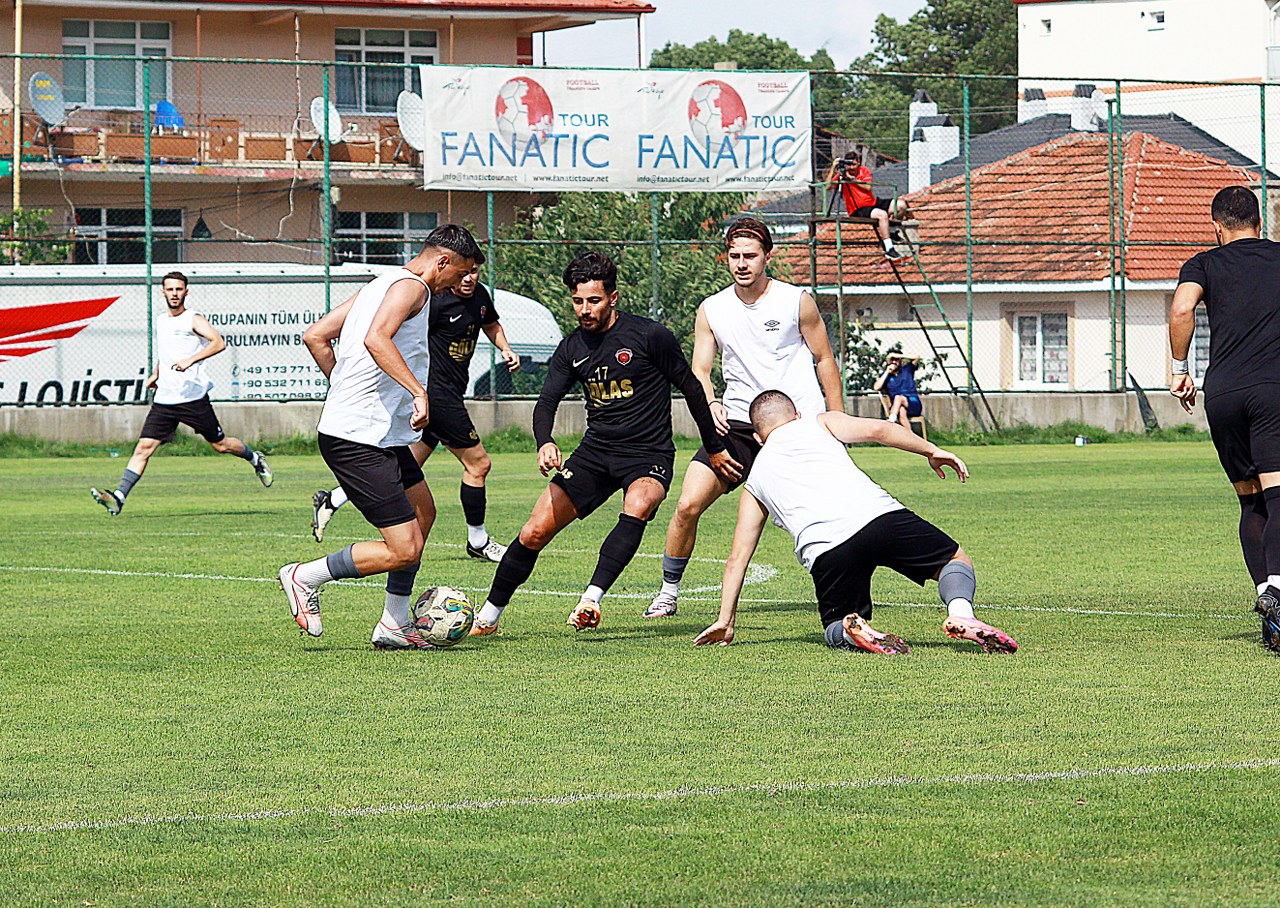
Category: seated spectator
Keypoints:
(898, 383)
(854, 180)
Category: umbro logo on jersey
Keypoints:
(772, 325)
(454, 318)
(624, 356)
(579, 362)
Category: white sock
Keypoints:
(1262, 587)
(1273, 580)
(594, 593)
(477, 536)
(490, 613)
(888, 245)
(314, 573)
(672, 588)
(337, 498)
(960, 608)
(395, 611)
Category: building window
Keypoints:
(114, 83)
(116, 236)
(381, 237)
(373, 89)
(1198, 358)
(1042, 350)
(1155, 21)
(1046, 28)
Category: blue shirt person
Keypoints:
(898, 383)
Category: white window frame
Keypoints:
(1046, 28)
(100, 233)
(409, 237)
(142, 47)
(412, 56)
(1198, 353)
(1038, 383)
(1155, 20)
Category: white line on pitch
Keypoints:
(709, 791)
(755, 574)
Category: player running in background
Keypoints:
(845, 526)
(769, 335)
(376, 407)
(455, 319)
(627, 366)
(184, 340)
(1239, 284)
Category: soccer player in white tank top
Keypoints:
(845, 526)
(760, 317)
(185, 339)
(376, 406)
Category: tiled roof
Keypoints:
(446, 6)
(1056, 193)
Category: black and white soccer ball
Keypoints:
(443, 615)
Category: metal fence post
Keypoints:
(968, 241)
(1123, 366)
(326, 208)
(1111, 240)
(493, 294)
(1262, 120)
(148, 218)
(654, 305)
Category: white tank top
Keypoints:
(813, 490)
(762, 349)
(365, 404)
(175, 340)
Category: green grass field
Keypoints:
(169, 739)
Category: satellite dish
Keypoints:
(46, 98)
(335, 131)
(411, 114)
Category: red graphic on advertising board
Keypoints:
(24, 329)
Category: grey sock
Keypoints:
(400, 583)
(127, 482)
(835, 634)
(673, 568)
(341, 564)
(248, 454)
(956, 581)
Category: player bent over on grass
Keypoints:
(184, 340)
(845, 526)
(627, 366)
(376, 406)
(455, 318)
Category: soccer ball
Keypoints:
(443, 615)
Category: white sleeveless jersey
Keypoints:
(813, 490)
(175, 340)
(762, 349)
(364, 403)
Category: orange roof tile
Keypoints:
(1044, 215)
(629, 7)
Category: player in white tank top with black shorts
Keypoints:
(845, 526)
(376, 407)
(184, 340)
(769, 335)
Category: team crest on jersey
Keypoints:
(624, 356)
(772, 324)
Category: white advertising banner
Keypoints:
(520, 128)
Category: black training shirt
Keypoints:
(452, 328)
(626, 375)
(1241, 282)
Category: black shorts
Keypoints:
(901, 540)
(743, 447)
(865, 210)
(592, 474)
(1245, 426)
(450, 423)
(374, 478)
(162, 420)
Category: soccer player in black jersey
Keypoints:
(627, 366)
(456, 318)
(1239, 284)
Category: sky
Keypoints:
(843, 27)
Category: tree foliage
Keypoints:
(26, 238)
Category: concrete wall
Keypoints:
(1113, 412)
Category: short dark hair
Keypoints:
(1236, 208)
(770, 408)
(751, 229)
(589, 266)
(456, 238)
(175, 276)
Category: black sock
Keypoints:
(472, 504)
(127, 482)
(513, 570)
(1253, 523)
(619, 547)
(247, 454)
(1271, 534)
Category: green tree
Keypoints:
(946, 36)
(27, 239)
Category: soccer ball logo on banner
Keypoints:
(716, 110)
(523, 110)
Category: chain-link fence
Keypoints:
(1043, 221)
